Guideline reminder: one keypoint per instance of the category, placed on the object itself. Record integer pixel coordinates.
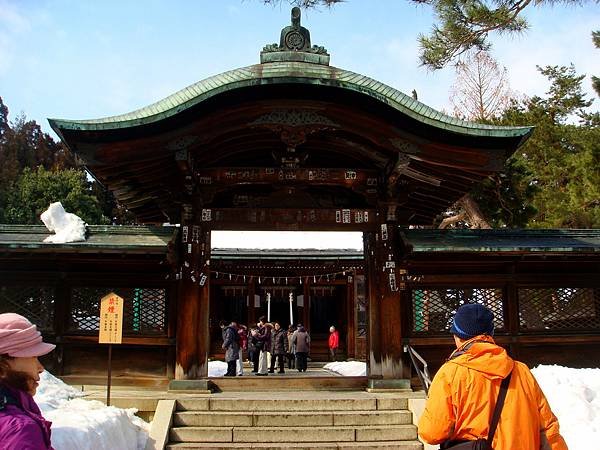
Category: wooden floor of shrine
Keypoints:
(315, 378)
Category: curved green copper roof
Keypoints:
(287, 72)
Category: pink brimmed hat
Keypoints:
(20, 338)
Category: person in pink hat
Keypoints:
(22, 426)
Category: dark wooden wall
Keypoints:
(562, 334)
(52, 290)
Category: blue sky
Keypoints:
(80, 59)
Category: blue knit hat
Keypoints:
(472, 320)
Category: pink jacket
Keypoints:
(23, 428)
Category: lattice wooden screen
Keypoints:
(433, 308)
(559, 309)
(144, 312)
(34, 302)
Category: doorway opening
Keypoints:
(311, 278)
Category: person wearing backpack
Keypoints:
(231, 345)
(466, 392)
(22, 426)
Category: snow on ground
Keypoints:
(217, 368)
(573, 394)
(348, 368)
(79, 424)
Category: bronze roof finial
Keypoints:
(294, 45)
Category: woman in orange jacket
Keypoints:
(464, 391)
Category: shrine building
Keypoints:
(295, 144)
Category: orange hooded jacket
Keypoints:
(463, 394)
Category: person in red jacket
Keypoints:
(22, 426)
(334, 342)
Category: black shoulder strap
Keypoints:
(498, 408)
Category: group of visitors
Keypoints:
(265, 340)
(480, 398)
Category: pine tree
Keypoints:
(596, 80)
(558, 168)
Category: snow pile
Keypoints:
(217, 368)
(68, 227)
(348, 368)
(51, 392)
(574, 396)
(79, 424)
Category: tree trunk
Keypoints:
(468, 211)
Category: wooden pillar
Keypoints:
(204, 310)
(252, 319)
(62, 317)
(306, 308)
(511, 311)
(390, 303)
(350, 317)
(373, 347)
(385, 301)
(193, 337)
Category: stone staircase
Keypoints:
(298, 420)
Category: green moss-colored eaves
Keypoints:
(504, 240)
(287, 72)
(100, 238)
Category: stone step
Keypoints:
(294, 434)
(313, 380)
(339, 403)
(389, 445)
(290, 419)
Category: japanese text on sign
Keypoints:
(111, 319)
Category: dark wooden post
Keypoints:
(350, 317)
(193, 334)
(511, 311)
(383, 254)
(306, 308)
(252, 319)
(204, 310)
(373, 322)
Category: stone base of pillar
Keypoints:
(388, 385)
(195, 386)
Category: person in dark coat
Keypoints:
(302, 342)
(264, 344)
(231, 345)
(253, 350)
(243, 337)
(291, 354)
(279, 347)
(22, 426)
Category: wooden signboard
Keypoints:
(111, 319)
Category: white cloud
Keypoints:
(12, 24)
(11, 20)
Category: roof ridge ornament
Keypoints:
(294, 45)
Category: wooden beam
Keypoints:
(289, 219)
(348, 177)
